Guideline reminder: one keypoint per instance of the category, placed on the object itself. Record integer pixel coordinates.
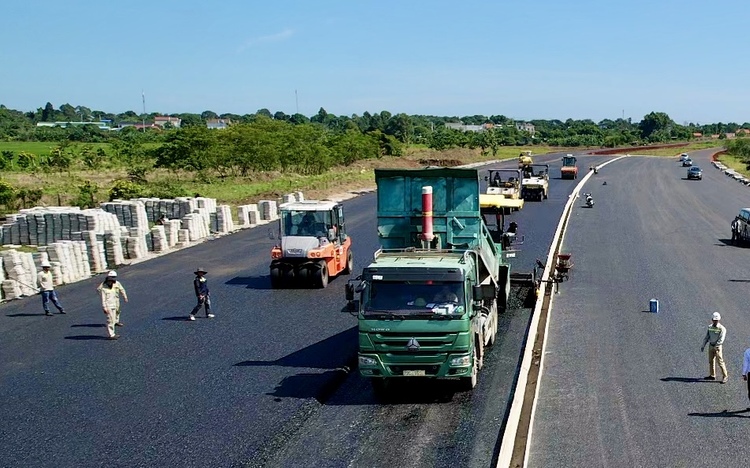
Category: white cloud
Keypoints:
(278, 37)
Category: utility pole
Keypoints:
(143, 95)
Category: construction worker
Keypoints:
(735, 230)
(47, 289)
(715, 336)
(202, 293)
(110, 291)
(746, 371)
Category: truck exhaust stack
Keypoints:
(427, 234)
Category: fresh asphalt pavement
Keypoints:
(265, 382)
(622, 386)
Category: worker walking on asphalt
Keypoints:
(715, 336)
(47, 289)
(746, 371)
(735, 231)
(110, 291)
(202, 293)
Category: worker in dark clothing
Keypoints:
(202, 293)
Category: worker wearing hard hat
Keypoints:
(746, 371)
(47, 289)
(715, 336)
(110, 291)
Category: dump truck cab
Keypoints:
(428, 303)
(313, 245)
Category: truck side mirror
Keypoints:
(349, 291)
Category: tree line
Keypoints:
(407, 129)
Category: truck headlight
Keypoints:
(367, 361)
(461, 361)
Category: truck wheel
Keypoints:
(275, 278)
(321, 275)
(303, 276)
(468, 383)
(349, 264)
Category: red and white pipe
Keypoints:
(427, 234)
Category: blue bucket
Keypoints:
(653, 306)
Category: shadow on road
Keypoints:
(688, 380)
(251, 282)
(725, 414)
(25, 315)
(88, 325)
(177, 318)
(330, 353)
(726, 242)
(86, 337)
(305, 386)
(739, 280)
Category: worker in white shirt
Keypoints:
(715, 336)
(746, 371)
(47, 289)
(110, 291)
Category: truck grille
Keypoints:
(429, 343)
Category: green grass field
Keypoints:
(735, 163)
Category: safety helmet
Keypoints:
(112, 274)
(46, 264)
(716, 316)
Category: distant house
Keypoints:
(465, 128)
(218, 123)
(697, 135)
(525, 127)
(730, 135)
(715, 136)
(101, 125)
(743, 131)
(162, 120)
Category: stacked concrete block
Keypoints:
(45, 225)
(69, 259)
(96, 252)
(299, 196)
(248, 215)
(224, 222)
(207, 203)
(197, 226)
(288, 198)
(130, 213)
(183, 237)
(170, 230)
(113, 248)
(268, 210)
(159, 237)
(20, 273)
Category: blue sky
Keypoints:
(525, 59)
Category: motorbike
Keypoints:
(589, 200)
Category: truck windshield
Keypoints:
(306, 223)
(415, 298)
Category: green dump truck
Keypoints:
(428, 304)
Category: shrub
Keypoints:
(125, 190)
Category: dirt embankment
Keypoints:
(633, 149)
